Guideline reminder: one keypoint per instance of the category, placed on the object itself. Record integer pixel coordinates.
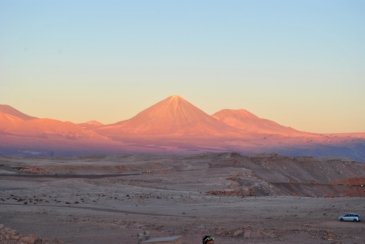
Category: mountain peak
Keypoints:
(248, 122)
(237, 113)
(174, 100)
(6, 109)
(93, 122)
(175, 97)
(171, 116)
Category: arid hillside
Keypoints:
(224, 174)
(300, 176)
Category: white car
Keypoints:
(350, 217)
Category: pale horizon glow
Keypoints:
(298, 63)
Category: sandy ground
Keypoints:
(111, 200)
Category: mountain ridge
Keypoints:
(172, 116)
(248, 122)
(7, 109)
(175, 125)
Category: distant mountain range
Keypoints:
(171, 125)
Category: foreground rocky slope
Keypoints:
(9, 235)
(301, 176)
(258, 175)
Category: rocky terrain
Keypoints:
(264, 198)
(8, 235)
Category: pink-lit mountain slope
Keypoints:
(250, 123)
(92, 124)
(9, 113)
(173, 116)
(173, 125)
(12, 119)
(15, 123)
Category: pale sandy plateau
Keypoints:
(237, 199)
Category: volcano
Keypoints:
(11, 113)
(247, 122)
(173, 116)
(15, 122)
(23, 131)
(173, 125)
(12, 119)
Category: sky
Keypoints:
(299, 63)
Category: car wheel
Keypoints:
(355, 220)
(341, 219)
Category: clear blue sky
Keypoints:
(300, 63)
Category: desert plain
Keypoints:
(264, 198)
